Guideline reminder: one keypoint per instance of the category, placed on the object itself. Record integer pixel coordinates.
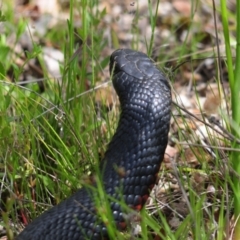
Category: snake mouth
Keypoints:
(114, 68)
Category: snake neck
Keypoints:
(140, 140)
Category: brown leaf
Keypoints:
(182, 6)
(212, 101)
(170, 153)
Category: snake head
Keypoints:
(133, 63)
(134, 70)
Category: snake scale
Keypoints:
(138, 147)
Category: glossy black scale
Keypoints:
(138, 147)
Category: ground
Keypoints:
(42, 45)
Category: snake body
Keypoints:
(137, 147)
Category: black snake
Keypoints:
(137, 147)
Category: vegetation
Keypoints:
(53, 135)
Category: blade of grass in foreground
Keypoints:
(234, 80)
